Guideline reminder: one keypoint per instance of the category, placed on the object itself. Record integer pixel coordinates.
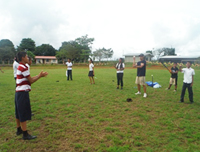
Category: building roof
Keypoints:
(137, 54)
(179, 57)
(45, 57)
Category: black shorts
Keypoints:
(22, 106)
(90, 74)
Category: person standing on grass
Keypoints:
(22, 100)
(174, 77)
(120, 72)
(187, 81)
(28, 65)
(15, 66)
(141, 73)
(91, 72)
(69, 69)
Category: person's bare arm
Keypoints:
(134, 64)
(35, 78)
(140, 66)
(192, 81)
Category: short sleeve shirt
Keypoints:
(91, 65)
(69, 65)
(141, 71)
(188, 73)
(174, 75)
(22, 82)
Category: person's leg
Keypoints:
(122, 84)
(71, 74)
(176, 82)
(18, 123)
(139, 87)
(90, 80)
(23, 125)
(67, 74)
(183, 92)
(93, 80)
(190, 91)
(169, 86)
(118, 80)
(145, 88)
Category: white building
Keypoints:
(46, 60)
(129, 57)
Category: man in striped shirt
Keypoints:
(22, 101)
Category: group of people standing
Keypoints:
(141, 73)
(188, 80)
(90, 74)
(23, 80)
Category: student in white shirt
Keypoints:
(187, 81)
(91, 71)
(15, 66)
(69, 69)
(120, 72)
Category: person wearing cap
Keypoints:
(141, 73)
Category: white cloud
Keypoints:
(125, 26)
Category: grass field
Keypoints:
(77, 116)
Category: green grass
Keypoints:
(77, 116)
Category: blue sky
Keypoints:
(126, 26)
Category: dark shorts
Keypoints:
(90, 74)
(22, 106)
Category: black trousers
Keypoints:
(188, 86)
(120, 79)
(69, 74)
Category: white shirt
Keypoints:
(69, 65)
(91, 65)
(28, 67)
(15, 66)
(123, 66)
(188, 73)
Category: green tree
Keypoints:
(70, 49)
(85, 41)
(86, 45)
(45, 50)
(26, 44)
(7, 50)
(103, 53)
(30, 54)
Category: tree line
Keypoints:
(79, 50)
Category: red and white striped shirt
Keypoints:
(22, 82)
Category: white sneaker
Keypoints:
(145, 95)
(138, 93)
(167, 89)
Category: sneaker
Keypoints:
(117, 88)
(138, 93)
(29, 137)
(19, 132)
(175, 90)
(145, 95)
(167, 89)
